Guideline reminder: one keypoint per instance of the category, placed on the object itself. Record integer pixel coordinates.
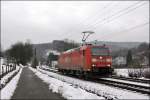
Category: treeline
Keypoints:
(134, 56)
(142, 48)
(69, 44)
(63, 45)
(20, 52)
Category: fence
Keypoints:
(5, 69)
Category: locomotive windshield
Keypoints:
(99, 51)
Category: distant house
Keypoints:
(53, 62)
(141, 60)
(52, 51)
(119, 60)
(145, 61)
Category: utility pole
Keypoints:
(35, 52)
(86, 34)
(35, 62)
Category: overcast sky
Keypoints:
(45, 21)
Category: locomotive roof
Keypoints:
(83, 47)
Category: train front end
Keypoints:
(101, 60)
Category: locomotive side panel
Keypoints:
(76, 60)
(86, 59)
(71, 61)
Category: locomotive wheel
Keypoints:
(80, 75)
(87, 75)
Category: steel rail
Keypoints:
(128, 86)
(132, 79)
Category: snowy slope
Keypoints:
(5, 79)
(9, 89)
(65, 89)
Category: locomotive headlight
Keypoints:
(100, 57)
(94, 60)
(108, 60)
(108, 65)
(93, 65)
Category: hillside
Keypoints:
(115, 46)
(58, 45)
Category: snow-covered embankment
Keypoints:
(67, 90)
(10, 87)
(105, 91)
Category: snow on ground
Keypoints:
(124, 81)
(121, 72)
(4, 79)
(65, 89)
(124, 72)
(100, 89)
(52, 51)
(48, 68)
(143, 78)
(9, 89)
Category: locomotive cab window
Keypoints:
(99, 51)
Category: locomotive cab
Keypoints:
(101, 60)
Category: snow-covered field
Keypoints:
(9, 89)
(99, 89)
(67, 90)
(124, 72)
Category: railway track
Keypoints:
(125, 85)
(132, 79)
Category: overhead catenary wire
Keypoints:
(113, 17)
(99, 10)
(129, 29)
(86, 20)
(128, 11)
(102, 11)
(126, 30)
(114, 14)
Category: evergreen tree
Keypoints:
(51, 57)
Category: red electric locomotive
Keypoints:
(86, 60)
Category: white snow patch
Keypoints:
(52, 51)
(121, 72)
(100, 89)
(48, 68)
(65, 89)
(9, 89)
(124, 72)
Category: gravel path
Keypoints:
(31, 87)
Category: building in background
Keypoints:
(119, 60)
